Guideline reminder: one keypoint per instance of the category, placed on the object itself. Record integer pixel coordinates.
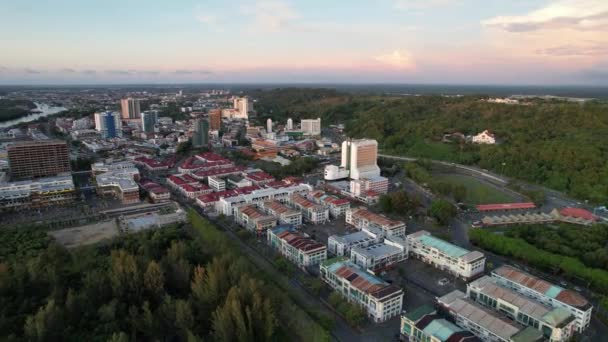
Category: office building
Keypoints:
(200, 136)
(108, 124)
(215, 119)
(130, 109)
(362, 218)
(40, 158)
(149, 119)
(446, 256)
(311, 126)
(285, 214)
(296, 247)
(555, 324)
(487, 325)
(545, 293)
(379, 256)
(269, 125)
(289, 124)
(359, 157)
(38, 193)
(424, 324)
(380, 300)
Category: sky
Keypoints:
(560, 42)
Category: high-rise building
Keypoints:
(269, 125)
(215, 119)
(289, 124)
(149, 120)
(311, 126)
(130, 108)
(200, 137)
(40, 158)
(108, 124)
(359, 157)
(243, 106)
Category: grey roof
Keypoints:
(377, 250)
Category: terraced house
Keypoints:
(296, 247)
(424, 324)
(381, 300)
(311, 212)
(285, 214)
(253, 219)
(363, 218)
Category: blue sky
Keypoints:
(392, 41)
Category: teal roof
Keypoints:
(420, 312)
(558, 317)
(335, 266)
(553, 291)
(444, 246)
(441, 329)
(529, 334)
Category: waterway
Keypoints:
(44, 110)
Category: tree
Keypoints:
(154, 280)
(443, 211)
(45, 325)
(124, 275)
(119, 337)
(386, 203)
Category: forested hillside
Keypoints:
(14, 109)
(558, 144)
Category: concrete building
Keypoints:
(130, 109)
(216, 183)
(424, 324)
(225, 205)
(342, 245)
(149, 119)
(296, 247)
(487, 325)
(118, 181)
(362, 218)
(242, 106)
(108, 124)
(311, 126)
(39, 158)
(446, 256)
(359, 157)
(312, 212)
(42, 192)
(289, 124)
(379, 299)
(82, 123)
(337, 206)
(363, 186)
(485, 137)
(215, 119)
(379, 256)
(269, 125)
(200, 135)
(556, 324)
(254, 219)
(283, 213)
(545, 293)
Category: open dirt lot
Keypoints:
(85, 235)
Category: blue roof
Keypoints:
(281, 228)
(441, 329)
(553, 291)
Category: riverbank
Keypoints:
(18, 111)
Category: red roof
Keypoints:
(259, 176)
(222, 171)
(578, 213)
(506, 206)
(215, 196)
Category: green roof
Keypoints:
(444, 246)
(558, 317)
(333, 260)
(441, 329)
(529, 334)
(419, 312)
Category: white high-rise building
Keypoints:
(289, 124)
(243, 106)
(359, 157)
(311, 126)
(269, 125)
(108, 124)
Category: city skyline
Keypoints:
(266, 41)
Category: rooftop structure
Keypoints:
(342, 245)
(423, 324)
(379, 256)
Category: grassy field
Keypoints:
(477, 192)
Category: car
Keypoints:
(443, 281)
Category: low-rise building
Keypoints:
(216, 183)
(296, 247)
(485, 137)
(556, 324)
(363, 218)
(157, 192)
(424, 324)
(228, 200)
(337, 206)
(487, 325)
(119, 185)
(379, 256)
(446, 256)
(342, 245)
(312, 212)
(259, 177)
(253, 219)
(138, 222)
(545, 293)
(42, 192)
(375, 184)
(284, 214)
(381, 300)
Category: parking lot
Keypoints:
(321, 232)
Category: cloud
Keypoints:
(32, 71)
(422, 4)
(68, 70)
(3, 68)
(207, 19)
(582, 15)
(88, 72)
(270, 15)
(575, 50)
(192, 72)
(399, 59)
(119, 72)
(148, 72)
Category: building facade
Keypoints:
(200, 135)
(39, 158)
(108, 124)
(359, 157)
(42, 192)
(130, 109)
(312, 212)
(149, 119)
(283, 213)
(215, 119)
(296, 247)
(362, 218)
(342, 245)
(311, 126)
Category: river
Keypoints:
(44, 109)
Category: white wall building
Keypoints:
(360, 158)
(362, 218)
(485, 137)
(289, 124)
(216, 183)
(342, 245)
(311, 126)
(446, 256)
(296, 247)
(285, 214)
(381, 255)
(226, 205)
(312, 212)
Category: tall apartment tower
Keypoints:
(215, 119)
(243, 106)
(289, 124)
(148, 120)
(311, 126)
(360, 158)
(108, 124)
(130, 108)
(269, 125)
(200, 137)
(39, 158)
